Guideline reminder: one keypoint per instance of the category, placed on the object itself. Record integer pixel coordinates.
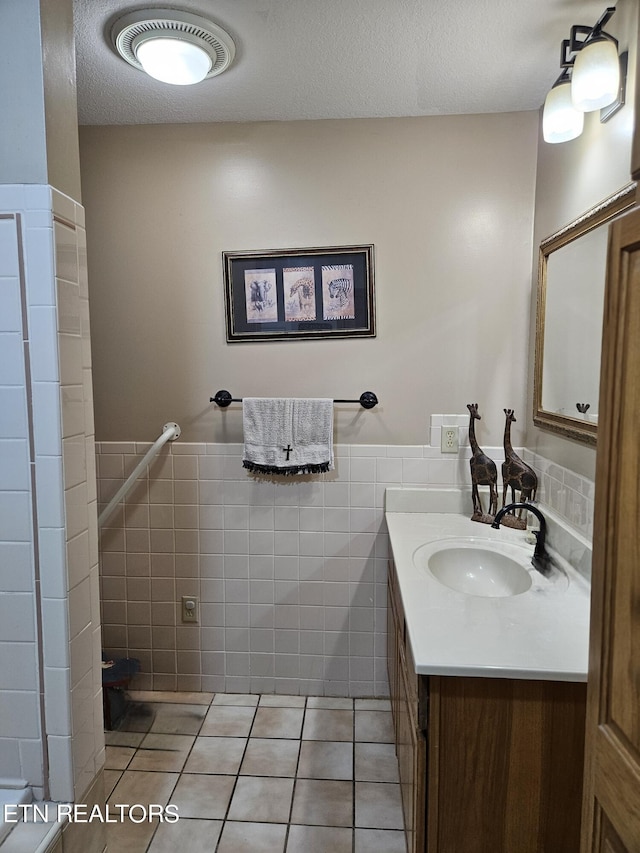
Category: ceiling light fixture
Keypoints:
(593, 78)
(173, 46)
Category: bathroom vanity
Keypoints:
(488, 691)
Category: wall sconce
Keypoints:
(172, 46)
(561, 121)
(593, 78)
(596, 69)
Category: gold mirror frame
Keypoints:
(601, 214)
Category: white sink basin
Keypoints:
(477, 567)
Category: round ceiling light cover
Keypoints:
(137, 29)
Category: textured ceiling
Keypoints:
(314, 59)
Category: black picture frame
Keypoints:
(310, 293)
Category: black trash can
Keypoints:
(116, 675)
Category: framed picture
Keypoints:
(299, 293)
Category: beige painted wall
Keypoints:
(447, 201)
(571, 178)
(39, 125)
(60, 99)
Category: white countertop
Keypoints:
(540, 634)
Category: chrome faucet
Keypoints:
(540, 560)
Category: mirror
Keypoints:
(571, 278)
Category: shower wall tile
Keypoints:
(47, 533)
(40, 260)
(14, 464)
(12, 367)
(19, 661)
(65, 208)
(13, 412)
(11, 317)
(44, 343)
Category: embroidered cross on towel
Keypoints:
(287, 435)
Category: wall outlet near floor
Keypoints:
(449, 441)
(190, 608)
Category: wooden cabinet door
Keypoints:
(393, 660)
(409, 741)
(405, 749)
(505, 765)
(635, 148)
(412, 756)
(611, 809)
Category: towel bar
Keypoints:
(223, 399)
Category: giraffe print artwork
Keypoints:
(483, 473)
(299, 294)
(260, 296)
(338, 301)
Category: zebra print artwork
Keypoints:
(337, 292)
(340, 290)
(305, 293)
(260, 296)
(299, 294)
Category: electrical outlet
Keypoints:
(190, 608)
(449, 439)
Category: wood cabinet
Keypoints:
(409, 729)
(486, 764)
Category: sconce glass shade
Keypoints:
(561, 121)
(595, 80)
(173, 60)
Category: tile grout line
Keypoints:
(188, 755)
(235, 784)
(180, 772)
(353, 786)
(295, 775)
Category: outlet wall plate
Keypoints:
(190, 608)
(449, 439)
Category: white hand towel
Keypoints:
(287, 435)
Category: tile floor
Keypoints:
(256, 774)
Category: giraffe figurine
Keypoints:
(483, 473)
(517, 476)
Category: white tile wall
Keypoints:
(569, 494)
(291, 574)
(48, 532)
(11, 359)
(79, 491)
(20, 713)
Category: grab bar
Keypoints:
(170, 432)
(223, 399)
